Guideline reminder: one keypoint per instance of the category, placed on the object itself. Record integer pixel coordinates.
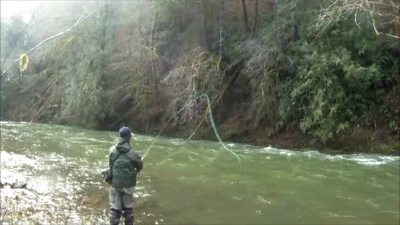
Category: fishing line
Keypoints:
(212, 124)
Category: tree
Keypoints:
(140, 62)
(245, 18)
(222, 31)
(255, 18)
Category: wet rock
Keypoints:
(14, 185)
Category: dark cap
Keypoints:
(125, 132)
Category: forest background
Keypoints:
(290, 73)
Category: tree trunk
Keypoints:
(221, 28)
(104, 27)
(205, 25)
(246, 20)
(103, 41)
(282, 38)
(295, 23)
(182, 17)
(255, 18)
(155, 81)
(153, 29)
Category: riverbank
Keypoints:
(354, 141)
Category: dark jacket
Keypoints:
(125, 163)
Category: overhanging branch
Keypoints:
(18, 36)
(80, 20)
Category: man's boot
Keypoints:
(115, 216)
(128, 215)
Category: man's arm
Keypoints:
(108, 174)
(137, 161)
(110, 160)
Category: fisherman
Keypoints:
(125, 164)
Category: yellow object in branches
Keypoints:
(219, 64)
(373, 24)
(23, 63)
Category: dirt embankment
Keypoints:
(238, 129)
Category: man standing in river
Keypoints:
(125, 164)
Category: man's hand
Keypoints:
(106, 176)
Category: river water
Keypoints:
(191, 182)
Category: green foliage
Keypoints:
(339, 76)
(337, 81)
(322, 76)
(331, 90)
(8, 90)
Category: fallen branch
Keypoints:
(54, 37)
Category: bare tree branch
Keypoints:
(390, 35)
(18, 36)
(53, 37)
(384, 10)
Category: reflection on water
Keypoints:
(191, 182)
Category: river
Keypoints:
(191, 182)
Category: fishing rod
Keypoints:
(212, 124)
